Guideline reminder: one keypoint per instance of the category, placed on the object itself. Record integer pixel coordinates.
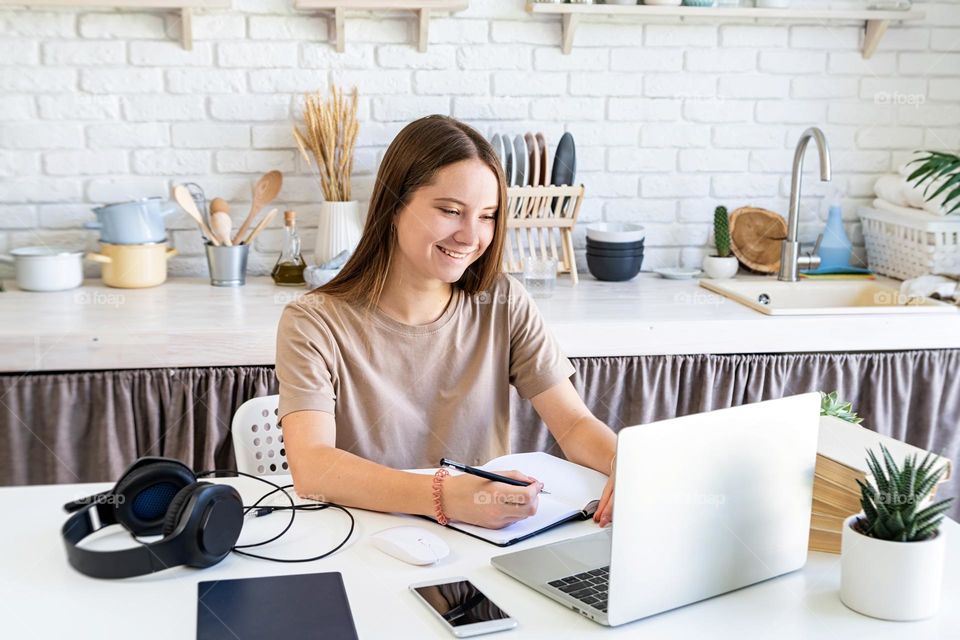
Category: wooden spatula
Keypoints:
(266, 189)
(260, 225)
(182, 195)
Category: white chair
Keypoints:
(257, 439)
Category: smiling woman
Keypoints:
(408, 355)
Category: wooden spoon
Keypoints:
(222, 226)
(220, 220)
(266, 189)
(260, 225)
(219, 204)
(182, 195)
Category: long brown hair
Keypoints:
(412, 160)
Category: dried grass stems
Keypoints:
(329, 135)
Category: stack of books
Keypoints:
(841, 461)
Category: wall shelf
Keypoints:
(422, 8)
(183, 7)
(875, 22)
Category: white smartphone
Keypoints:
(462, 608)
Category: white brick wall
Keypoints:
(671, 119)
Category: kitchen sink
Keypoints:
(823, 297)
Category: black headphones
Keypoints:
(200, 521)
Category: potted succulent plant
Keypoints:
(892, 554)
(722, 265)
(831, 405)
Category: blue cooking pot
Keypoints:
(135, 222)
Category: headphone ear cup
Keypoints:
(145, 492)
(175, 509)
(204, 523)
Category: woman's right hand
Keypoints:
(485, 503)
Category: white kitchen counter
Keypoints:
(186, 322)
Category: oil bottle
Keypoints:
(288, 272)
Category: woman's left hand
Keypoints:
(604, 514)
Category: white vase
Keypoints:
(338, 228)
(891, 580)
(720, 268)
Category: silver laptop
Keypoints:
(704, 504)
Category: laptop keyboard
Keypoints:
(589, 587)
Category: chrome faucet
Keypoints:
(791, 260)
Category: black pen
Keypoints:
(480, 473)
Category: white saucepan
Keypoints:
(46, 268)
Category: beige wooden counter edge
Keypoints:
(186, 323)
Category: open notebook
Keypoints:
(572, 488)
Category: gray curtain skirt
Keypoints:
(88, 426)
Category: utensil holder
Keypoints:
(228, 265)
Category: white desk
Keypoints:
(43, 597)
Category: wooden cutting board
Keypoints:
(755, 236)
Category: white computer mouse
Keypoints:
(412, 545)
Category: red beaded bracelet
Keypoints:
(437, 485)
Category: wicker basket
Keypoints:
(904, 246)
(540, 224)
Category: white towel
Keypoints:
(895, 190)
(882, 204)
(913, 195)
(891, 188)
(946, 288)
(934, 206)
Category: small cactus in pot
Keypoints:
(724, 264)
(721, 231)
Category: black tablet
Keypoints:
(311, 605)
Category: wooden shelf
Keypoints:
(184, 7)
(875, 22)
(422, 8)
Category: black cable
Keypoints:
(293, 508)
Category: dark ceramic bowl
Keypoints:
(608, 253)
(615, 246)
(614, 269)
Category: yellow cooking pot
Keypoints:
(133, 266)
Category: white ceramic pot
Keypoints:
(46, 268)
(133, 266)
(891, 580)
(720, 268)
(338, 228)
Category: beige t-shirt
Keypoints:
(405, 396)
